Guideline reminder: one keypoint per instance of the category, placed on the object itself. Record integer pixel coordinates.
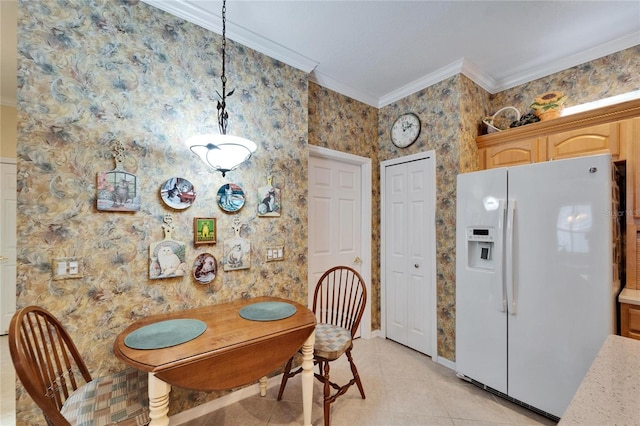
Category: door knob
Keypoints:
(3, 258)
(357, 260)
(416, 266)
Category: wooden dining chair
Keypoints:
(338, 302)
(53, 373)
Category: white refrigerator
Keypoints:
(535, 293)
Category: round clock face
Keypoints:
(405, 130)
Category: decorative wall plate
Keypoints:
(230, 197)
(205, 268)
(178, 193)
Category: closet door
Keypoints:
(409, 231)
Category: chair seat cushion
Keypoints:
(331, 341)
(120, 398)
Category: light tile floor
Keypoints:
(403, 387)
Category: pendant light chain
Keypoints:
(223, 115)
(222, 152)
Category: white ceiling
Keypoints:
(380, 51)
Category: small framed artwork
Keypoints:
(204, 230)
(269, 199)
(118, 192)
(237, 250)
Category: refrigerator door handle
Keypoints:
(509, 262)
(501, 221)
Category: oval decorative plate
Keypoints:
(178, 193)
(205, 268)
(230, 197)
(164, 334)
(267, 311)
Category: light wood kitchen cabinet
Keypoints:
(592, 140)
(614, 129)
(630, 321)
(600, 139)
(512, 154)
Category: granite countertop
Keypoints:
(610, 392)
(629, 296)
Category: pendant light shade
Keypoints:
(222, 152)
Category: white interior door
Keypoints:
(7, 244)
(409, 253)
(339, 218)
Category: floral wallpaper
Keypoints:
(93, 72)
(451, 113)
(439, 110)
(601, 78)
(340, 123)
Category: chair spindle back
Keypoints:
(46, 360)
(340, 297)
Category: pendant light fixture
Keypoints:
(222, 152)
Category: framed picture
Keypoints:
(269, 199)
(204, 230)
(118, 192)
(167, 259)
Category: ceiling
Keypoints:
(380, 51)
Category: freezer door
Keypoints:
(481, 320)
(562, 269)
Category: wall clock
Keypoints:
(405, 130)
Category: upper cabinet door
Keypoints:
(513, 154)
(600, 139)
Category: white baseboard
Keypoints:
(223, 401)
(443, 361)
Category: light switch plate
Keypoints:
(275, 253)
(65, 268)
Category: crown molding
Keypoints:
(343, 89)
(568, 62)
(213, 22)
(475, 74)
(422, 83)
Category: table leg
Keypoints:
(158, 401)
(307, 378)
(263, 386)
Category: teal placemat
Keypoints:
(165, 333)
(267, 311)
